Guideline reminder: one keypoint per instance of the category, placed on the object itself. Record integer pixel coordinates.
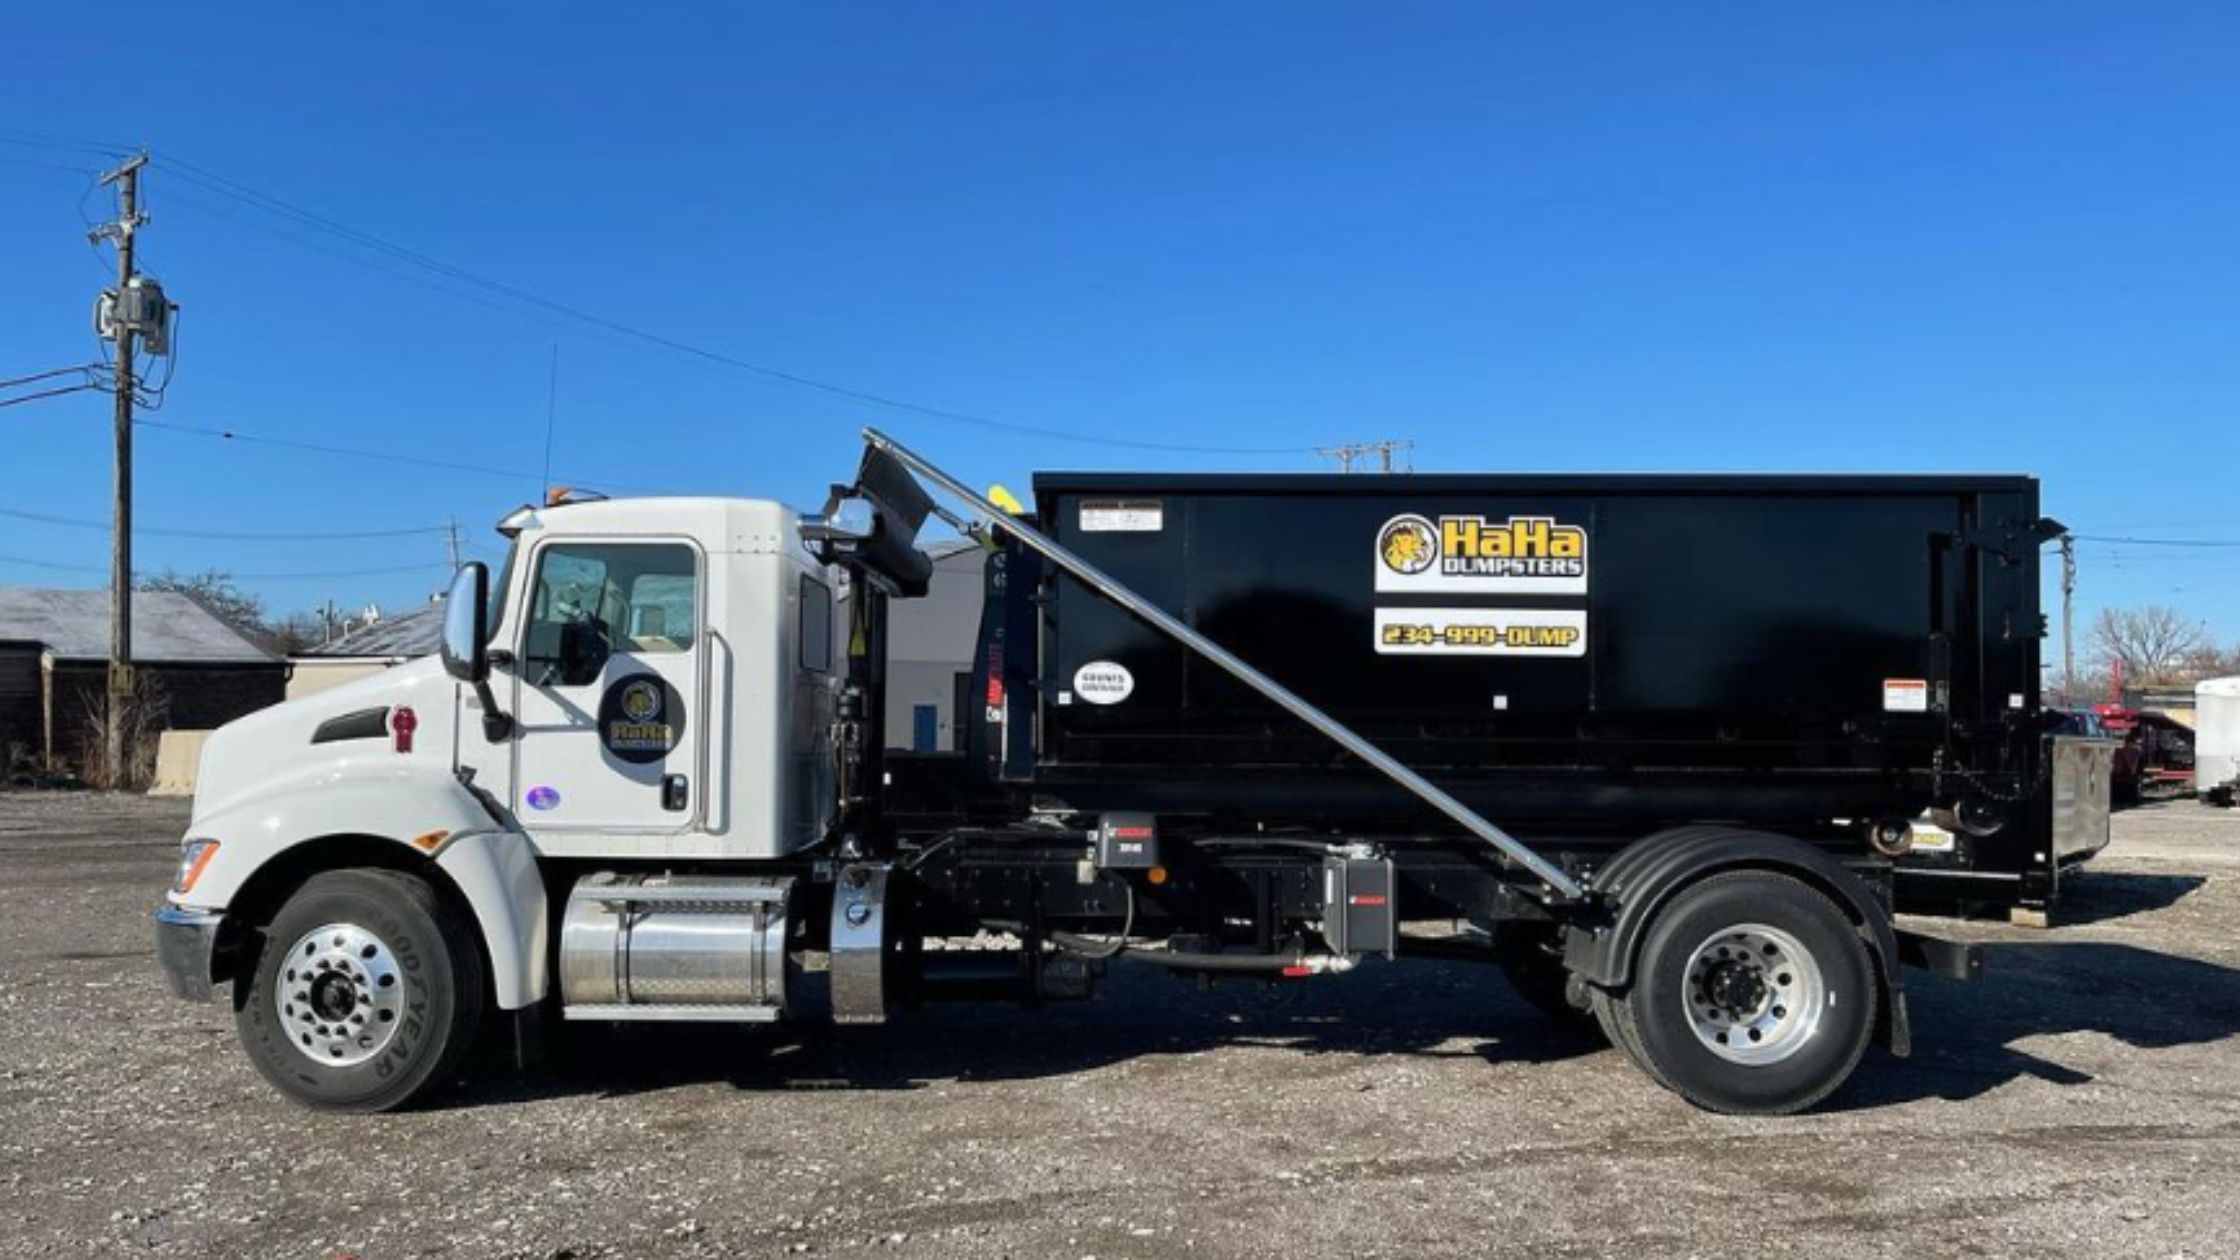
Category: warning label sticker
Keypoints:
(1905, 695)
(1557, 632)
(1122, 516)
(1930, 838)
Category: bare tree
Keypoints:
(296, 632)
(284, 635)
(2154, 644)
(215, 589)
(145, 712)
(2211, 661)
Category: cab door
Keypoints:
(608, 694)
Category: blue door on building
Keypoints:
(925, 727)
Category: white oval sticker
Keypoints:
(1103, 682)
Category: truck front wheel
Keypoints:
(366, 994)
(1753, 994)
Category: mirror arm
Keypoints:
(497, 726)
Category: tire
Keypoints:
(1537, 974)
(367, 993)
(1610, 1014)
(1706, 1015)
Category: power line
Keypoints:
(32, 164)
(2158, 542)
(226, 536)
(223, 186)
(62, 144)
(420, 567)
(48, 376)
(48, 393)
(49, 564)
(235, 435)
(417, 567)
(303, 242)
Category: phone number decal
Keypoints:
(1556, 632)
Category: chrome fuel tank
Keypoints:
(675, 947)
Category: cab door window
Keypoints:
(592, 600)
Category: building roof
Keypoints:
(167, 627)
(416, 633)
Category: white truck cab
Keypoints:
(659, 686)
(667, 668)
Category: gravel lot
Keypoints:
(2084, 1099)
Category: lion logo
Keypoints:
(641, 701)
(1408, 544)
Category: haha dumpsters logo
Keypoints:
(1525, 555)
(640, 719)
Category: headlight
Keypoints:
(193, 856)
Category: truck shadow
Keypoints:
(2091, 896)
(1968, 1038)
(2087, 896)
(1417, 1010)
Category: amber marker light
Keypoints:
(194, 856)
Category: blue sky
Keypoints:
(1527, 236)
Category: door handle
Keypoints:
(676, 792)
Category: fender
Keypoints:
(429, 815)
(497, 873)
(1645, 875)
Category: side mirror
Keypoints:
(843, 520)
(466, 624)
(466, 643)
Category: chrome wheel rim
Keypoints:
(339, 995)
(1755, 994)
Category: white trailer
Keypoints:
(2216, 739)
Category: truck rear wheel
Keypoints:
(366, 995)
(1753, 994)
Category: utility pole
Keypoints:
(2069, 617)
(127, 179)
(1350, 452)
(451, 536)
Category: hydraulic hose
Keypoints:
(1175, 960)
(1118, 948)
(1098, 950)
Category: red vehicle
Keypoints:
(2157, 752)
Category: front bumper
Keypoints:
(187, 946)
